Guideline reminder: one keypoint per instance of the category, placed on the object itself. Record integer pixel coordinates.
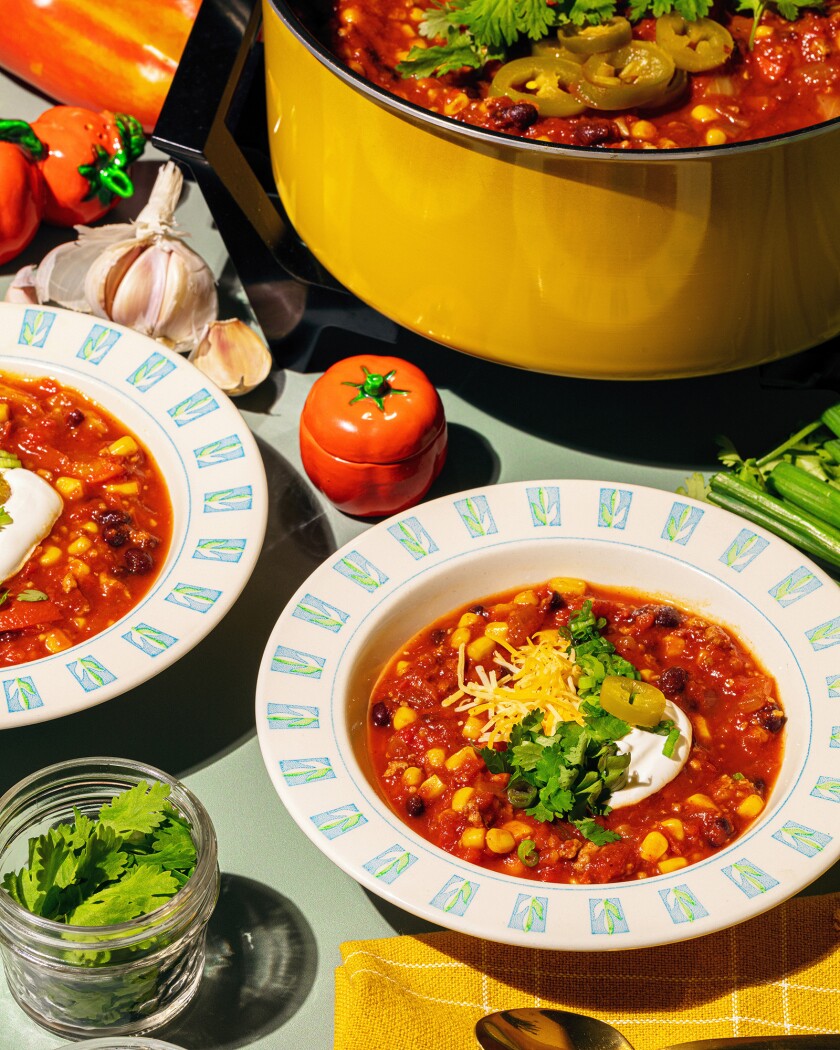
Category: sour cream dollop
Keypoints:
(34, 507)
(649, 770)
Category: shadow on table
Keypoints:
(260, 967)
(202, 706)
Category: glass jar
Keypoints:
(102, 980)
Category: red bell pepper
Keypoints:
(17, 615)
(21, 189)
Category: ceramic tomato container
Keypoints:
(373, 435)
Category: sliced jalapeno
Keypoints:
(674, 90)
(550, 47)
(694, 46)
(634, 75)
(591, 40)
(542, 81)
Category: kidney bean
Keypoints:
(380, 715)
(666, 616)
(74, 418)
(415, 807)
(138, 562)
(673, 680)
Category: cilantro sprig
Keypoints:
(568, 775)
(133, 857)
(596, 656)
(470, 33)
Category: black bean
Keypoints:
(415, 807)
(380, 715)
(666, 616)
(74, 418)
(522, 115)
(721, 831)
(108, 516)
(771, 718)
(591, 132)
(438, 637)
(478, 610)
(114, 535)
(138, 562)
(556, 601)
(673, 680)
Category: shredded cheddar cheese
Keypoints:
(541, 674)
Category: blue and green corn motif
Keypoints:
(221, 451)
(153, 369)
(21, 694)
(795, 586)
(193, 407)
(682, 905)
(411, 536)
(151, 640)
(293, 661)
(824, 636)
(827, 788)
(681, 522)
(98, 342)
(835, 737)
(190, 596)
(292, 716)
(614, 508)
(475, 513)
(217, 549)
(743, 550)
(529, 914)
(455, 896)
(606, 916)
(90, 673)
(544, 505)
(240, 497)
(749, 878)
(805, 840)
(298, 771)
(322, 614)
(832, 685)
(36, 327)
(359, 570)
(390, 864)
(334, 822)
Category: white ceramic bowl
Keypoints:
(217, 487)
(366, 600)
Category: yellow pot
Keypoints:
(581, 262)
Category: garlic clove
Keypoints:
(22, 288)
(233, 356)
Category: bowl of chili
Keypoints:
(690, 238)
(133, 510)
(417, 691)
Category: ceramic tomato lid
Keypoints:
(372, 409)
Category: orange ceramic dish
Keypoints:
(373, 435)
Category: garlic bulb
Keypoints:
(139, 274)
(233, 356)
(22, 288)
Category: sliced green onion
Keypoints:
(528, 853)
(8, 460)
(670, 742)
(521, 794)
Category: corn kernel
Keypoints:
(4, 413)
(498, 840)
(70, 488)
(473, 838)
(468, 619)
(91, 527)
(644, 129)
(525, 598)
(417, 14)
(435, 757)
(457, 760)
(402, 666)
(80, 568)
(480, 648)
(701, 729)
(518, 828)
(431, 788)
(763, 31)
(654, 845)
(412, 777)
(50, 556)
(704, 114)
(674, 827)
(460, 636)
(673, 645)
(497, 630)
(124, 446)
(751, 806)
(715, 137)
(671, 864)
(350, 15)
(461, 798)
(80, 545)
(701, 801)
(56, 640)
(567, 585)
(473, 728)
(123, 488)
(647, 674)
(403, 716)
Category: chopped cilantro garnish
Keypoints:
(31, 595)
(5, 518)
(593, 653)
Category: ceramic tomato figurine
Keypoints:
(86, 161)
(21, 190)
(373, 435)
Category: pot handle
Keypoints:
(214, 121)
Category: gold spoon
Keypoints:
(536, 1029)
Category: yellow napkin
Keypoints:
(778, 974)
